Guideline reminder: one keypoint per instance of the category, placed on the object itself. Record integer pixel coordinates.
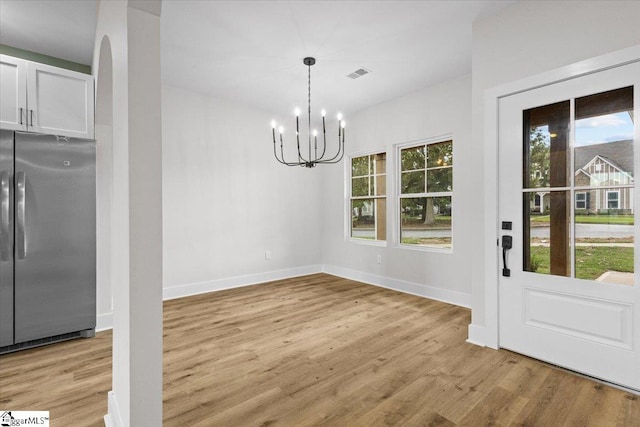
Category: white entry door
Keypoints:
(569, 286)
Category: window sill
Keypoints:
(425, 248)
(367, 242)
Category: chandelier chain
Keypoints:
(309, 109)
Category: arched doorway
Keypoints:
(104, 183)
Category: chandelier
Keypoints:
(312, 158)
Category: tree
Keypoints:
(434, 160)
(539, 149)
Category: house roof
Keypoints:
(619, 153)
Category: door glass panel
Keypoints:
(604, 242)
(547, 244)
(604, 180)
(546, 154)
(581, 220)
(547, 210)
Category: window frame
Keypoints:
(349, 198)
(617, 200)
(584, 201)
(398, 196)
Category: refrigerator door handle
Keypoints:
(21, 235)
(4, 216)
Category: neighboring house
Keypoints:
(599, 165)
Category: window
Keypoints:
(613, 199)
(426, 190)
(536, 201)
(368, 201)
(581, 200)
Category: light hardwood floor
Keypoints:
(317, 350)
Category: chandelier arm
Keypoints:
(275, 151)
(335, 159)
(324, 137)
(301, 160)
(340, 146)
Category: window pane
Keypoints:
(363, 219)
(605, 243)
(440, 154)
(546, 233)
(381, 219)
(546, 157)
(381, 163)
(604, 138)
(360, 186)
(412, 182)
(426, 221)
(413, 158)
(381, 185)
(439, 180)
(360, 166)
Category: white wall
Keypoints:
(226, 200)
(434, 111)
(525, 39)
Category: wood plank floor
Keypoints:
(317, 350)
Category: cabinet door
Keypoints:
(60, 101)
(13, 85)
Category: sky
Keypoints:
(607, 128)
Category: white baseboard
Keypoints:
(477, 335)
(452, 297)
(190, 289)
(112, 418)
(104, 321)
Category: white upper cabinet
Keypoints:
(47, 99)
(13, 93)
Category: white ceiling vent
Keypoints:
(358, 73)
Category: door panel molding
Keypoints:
(613, 321)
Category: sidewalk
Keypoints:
(616, 277)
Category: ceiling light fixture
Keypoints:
(313, 158)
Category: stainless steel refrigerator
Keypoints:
(47, 239)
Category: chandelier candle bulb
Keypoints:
(313, 158)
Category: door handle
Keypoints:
(507, 243)
(5, 244)
(31, 117)
(21, 236)
(20, 115)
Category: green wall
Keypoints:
(44, 59)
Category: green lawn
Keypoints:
(439, 241)
(592, 219)
(591, 261)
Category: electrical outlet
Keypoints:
(379, 259)
(267, 255)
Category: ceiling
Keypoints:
(252, 51)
